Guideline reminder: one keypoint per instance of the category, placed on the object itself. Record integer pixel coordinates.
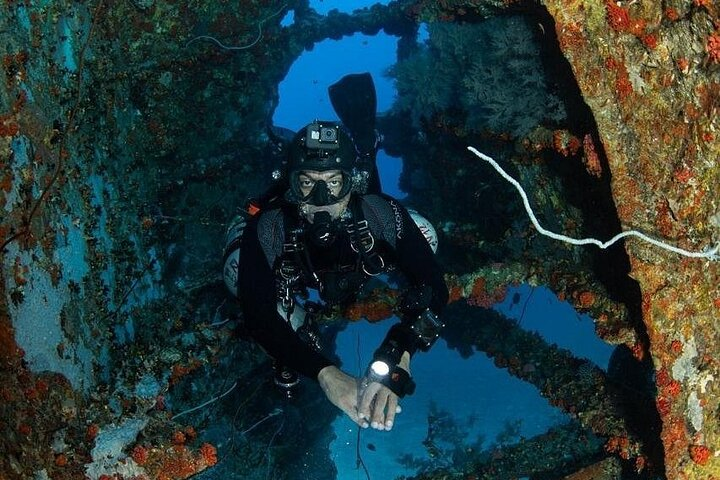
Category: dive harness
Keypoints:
(295, 271)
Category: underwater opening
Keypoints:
(439, 424)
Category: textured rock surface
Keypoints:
(650, 73)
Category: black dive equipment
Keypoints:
(420, 326)
(286, 380)
(320, 146)
(418, 330)
(384, 369)
(323, 231)
(426, 328)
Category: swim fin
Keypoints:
(355, 102)
(354, 99)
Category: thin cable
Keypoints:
(522, 315)
(231, 448)
(270, 415)
(267, 450)
(708, 253)
(243, 47)
(359, 462)
(60, 159)
(135, 283)
(212, 400)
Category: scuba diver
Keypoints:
(329, 232)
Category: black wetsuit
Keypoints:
(397, 240)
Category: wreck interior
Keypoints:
(131, 132)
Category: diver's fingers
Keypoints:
(392, 409)
(381, 402)
(367, 397)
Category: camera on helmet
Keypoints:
(322, 136)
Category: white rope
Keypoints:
(709, 253)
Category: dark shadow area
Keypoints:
(594, 198)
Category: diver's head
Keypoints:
(323, 201)
(320, 163)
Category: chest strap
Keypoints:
(362, 241)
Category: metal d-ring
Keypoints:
(382, 266)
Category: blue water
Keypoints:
(304, 97)
(481, 398)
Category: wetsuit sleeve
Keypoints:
(413, 258)
(257, 290)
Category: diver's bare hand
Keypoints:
(342, 391)
(378, 404)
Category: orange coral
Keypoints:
(24, 429)
(565, 143)
(91, 432)
(6, 183)
(700, 454)
(178, 438)
(673, 388)
(662, 378)
(455, 293)
(672, 14)
(619, 445)
(8, 128)
(179, 371)
(682, 175)
(650, 41)
(591, 159)
(713, 47)
(663, 406)
(378, 305)
(623, 85)
(182, 466)
(481, 297)
(140, 454)
(209, 454)
(570, 35)
(586, 299)
(617, 16)
(41, 386)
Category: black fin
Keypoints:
(355, 102)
